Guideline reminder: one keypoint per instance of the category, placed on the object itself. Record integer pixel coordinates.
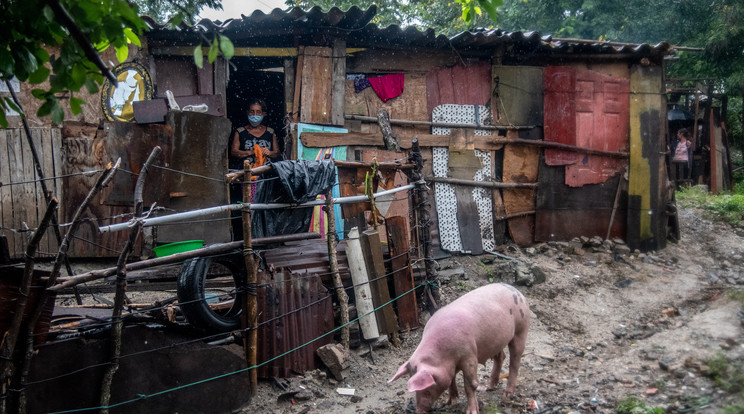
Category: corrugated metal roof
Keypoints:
(286, 27)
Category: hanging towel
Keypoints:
(387, 87)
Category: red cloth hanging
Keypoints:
(389, 86)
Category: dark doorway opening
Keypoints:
(252, 78)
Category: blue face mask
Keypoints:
(255, 119)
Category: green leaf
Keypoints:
(122, 52)
(28, 63)
(176, 20)
(91, 86)
(3, 120)
(227, 47)
(490, 7)
(39, 76)
(46, 108)
(77, 76)
(76, 105)
(58, 115)
(6, 62)
(214, 50)
(9, 103)
(198, 57)
(48, 13)
(41, 55)
(131, 37)
(38, 93)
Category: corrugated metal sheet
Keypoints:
(295, 307)
(284, 27)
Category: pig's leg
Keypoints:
(470, 377)
(498, 361)
(453, 395)
(516, 348)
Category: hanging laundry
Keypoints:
(387, 87)
(361, 84)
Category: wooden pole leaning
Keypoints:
(332, 239)
(250, 302)
(45, 296)
(117, 322)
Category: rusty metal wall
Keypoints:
(294, 306)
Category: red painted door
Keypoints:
(587, 109)
(602, 116)
(559, 110)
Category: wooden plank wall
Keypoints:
(22, 202)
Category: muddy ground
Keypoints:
(607, 323)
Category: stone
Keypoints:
(304, 395)
(336, 358)
(622, 249)
(596, 241)
(538, 274)
(454, 272)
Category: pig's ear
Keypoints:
(420, 381)
(403, 370)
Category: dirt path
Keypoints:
(606, 324)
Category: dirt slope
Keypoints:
(606, 324)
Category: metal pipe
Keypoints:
(269, 206)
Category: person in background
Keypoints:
(255, 143)
(681, 152)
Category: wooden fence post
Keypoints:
(332, 239)
(250, 300)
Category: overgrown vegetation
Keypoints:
(633, 405)
(726, 207)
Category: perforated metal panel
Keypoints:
(444, 194)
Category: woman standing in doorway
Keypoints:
(254, 137)
(255, 143)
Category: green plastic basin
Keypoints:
(178, 247)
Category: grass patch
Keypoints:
(633, 405)
(737, 295)
(726, 207)
(728, 375)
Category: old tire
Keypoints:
(194, 297)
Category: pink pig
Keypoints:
(468, 331)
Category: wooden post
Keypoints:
(402, 274)
(250, 301)
(121, 283)
(391, 141)
(362, 291)
(332, 239)
(421, 202)
(372, 251)
(34, 317)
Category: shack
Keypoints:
(524, 138)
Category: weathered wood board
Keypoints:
(206, 132)
(564, 212)
(399, 245)
(520, 166)
(317, 85)
(21, 197)
(518, 95)
(409, 105)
